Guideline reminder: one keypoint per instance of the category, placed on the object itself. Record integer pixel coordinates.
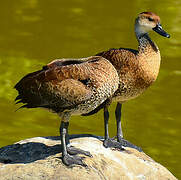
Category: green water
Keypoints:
(34, 32)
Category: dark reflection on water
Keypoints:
(34, 32)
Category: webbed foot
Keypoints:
(71, 160)
(73, 151)
(111, 143)
(126, 143)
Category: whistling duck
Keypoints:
(69, 87)
(137, 70)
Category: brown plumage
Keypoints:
(69, 86)
(137, 70)
(77, 86)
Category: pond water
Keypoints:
(35, 32)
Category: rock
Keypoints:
(40, 159)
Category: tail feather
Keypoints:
(20, 101)
(18, 97)
(26, 95)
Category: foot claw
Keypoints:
(73, 151)
(126, 143)
(108, 143)
(120, 144)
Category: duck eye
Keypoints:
(150, 19)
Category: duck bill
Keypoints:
(160, 31)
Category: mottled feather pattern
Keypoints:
(64, 85)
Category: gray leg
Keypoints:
(108, 142)
(120, 139)
(63, 133)
(68, 152)
(106, 119)
(118, 120)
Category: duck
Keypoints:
(137, 70)
(69, 87)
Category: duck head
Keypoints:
(147, 21)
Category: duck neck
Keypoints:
(149, 58)
(145, 44)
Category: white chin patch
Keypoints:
(142, 29)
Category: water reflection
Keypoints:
(34, 32)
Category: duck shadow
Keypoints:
(32, 151)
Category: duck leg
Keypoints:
(111, 143)
(118, 121)
(69, 156)
(106, 119)
(120, 139)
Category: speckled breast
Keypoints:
(103, 83)
(138, 78)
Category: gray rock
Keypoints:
(40, 159)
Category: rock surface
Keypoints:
(40, 159)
